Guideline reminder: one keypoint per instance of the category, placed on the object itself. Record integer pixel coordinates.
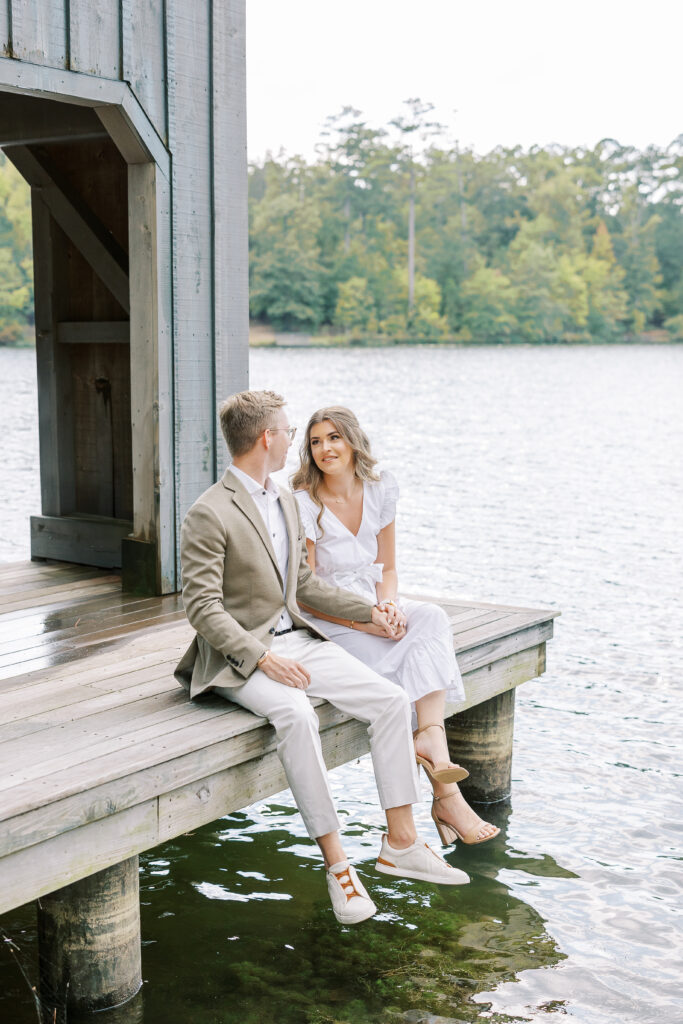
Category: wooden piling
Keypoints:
(89, 942)
(480, 739)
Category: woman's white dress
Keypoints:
(423, 660)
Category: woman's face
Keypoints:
(331, 453)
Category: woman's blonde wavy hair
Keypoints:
(308, 477)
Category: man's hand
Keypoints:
(370, 627)
(285, 670)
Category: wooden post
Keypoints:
(89, 942)
(480, 739)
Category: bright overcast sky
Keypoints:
(527, 72)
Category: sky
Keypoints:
(530, 72)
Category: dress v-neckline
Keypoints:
(342, 524)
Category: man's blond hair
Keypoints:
(245, 416)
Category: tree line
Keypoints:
(396, 233)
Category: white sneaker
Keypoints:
(350, 901)
(418, 861)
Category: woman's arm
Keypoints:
(387, 588)
(362, 627)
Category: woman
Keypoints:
(348, 512)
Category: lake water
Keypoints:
(547, 477)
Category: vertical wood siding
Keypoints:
(95, 37)
(169, 532)
(191, 145)
(39, 31)
(144, 64)
(231, 245)
(152, 364)
(5, 18)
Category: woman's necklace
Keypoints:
(343, 501)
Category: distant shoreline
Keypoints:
(261, 336)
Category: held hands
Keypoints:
(387, 620)
(286, 671)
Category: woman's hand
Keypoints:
(395, 616)
(387, 620)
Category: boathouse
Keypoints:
(127, 119)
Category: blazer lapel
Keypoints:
(247, 505)
(292, 521)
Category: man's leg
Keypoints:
(295, 722)
(293, 717)
(354, 688)
(360, 692)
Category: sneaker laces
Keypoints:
(347, 884)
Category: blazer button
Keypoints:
(272, 630)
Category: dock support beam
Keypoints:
(89, 942)
(481, 740)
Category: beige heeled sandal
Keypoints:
(443, 772)
(448, 833)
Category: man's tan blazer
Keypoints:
(232, 587)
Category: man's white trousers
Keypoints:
(352, 687)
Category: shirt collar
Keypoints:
(253, 486)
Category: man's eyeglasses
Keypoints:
(291, 431)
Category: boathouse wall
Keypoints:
(128, 121)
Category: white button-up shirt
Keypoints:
(267, 501)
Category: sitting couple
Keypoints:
(268, 580)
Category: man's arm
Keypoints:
(318, 596)
(321, 596)
(203, 543)
(363, 627)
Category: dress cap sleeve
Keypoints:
(308, 515)
(389, 498)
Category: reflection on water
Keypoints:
(236, 926)
(274, 949)
(545, 477)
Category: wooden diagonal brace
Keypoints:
(77, 221)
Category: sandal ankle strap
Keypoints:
(434, 725)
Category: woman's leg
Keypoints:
(452, 806)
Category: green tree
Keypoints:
(286, 288)
(285, 270)
(355, 310)
(416, 131)
(669, 246)
(488, 303)
(637, 253)
(424, 322)
(607, 299)
(538, 309)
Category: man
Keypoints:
(244, 568)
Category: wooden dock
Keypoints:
(103, 755)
